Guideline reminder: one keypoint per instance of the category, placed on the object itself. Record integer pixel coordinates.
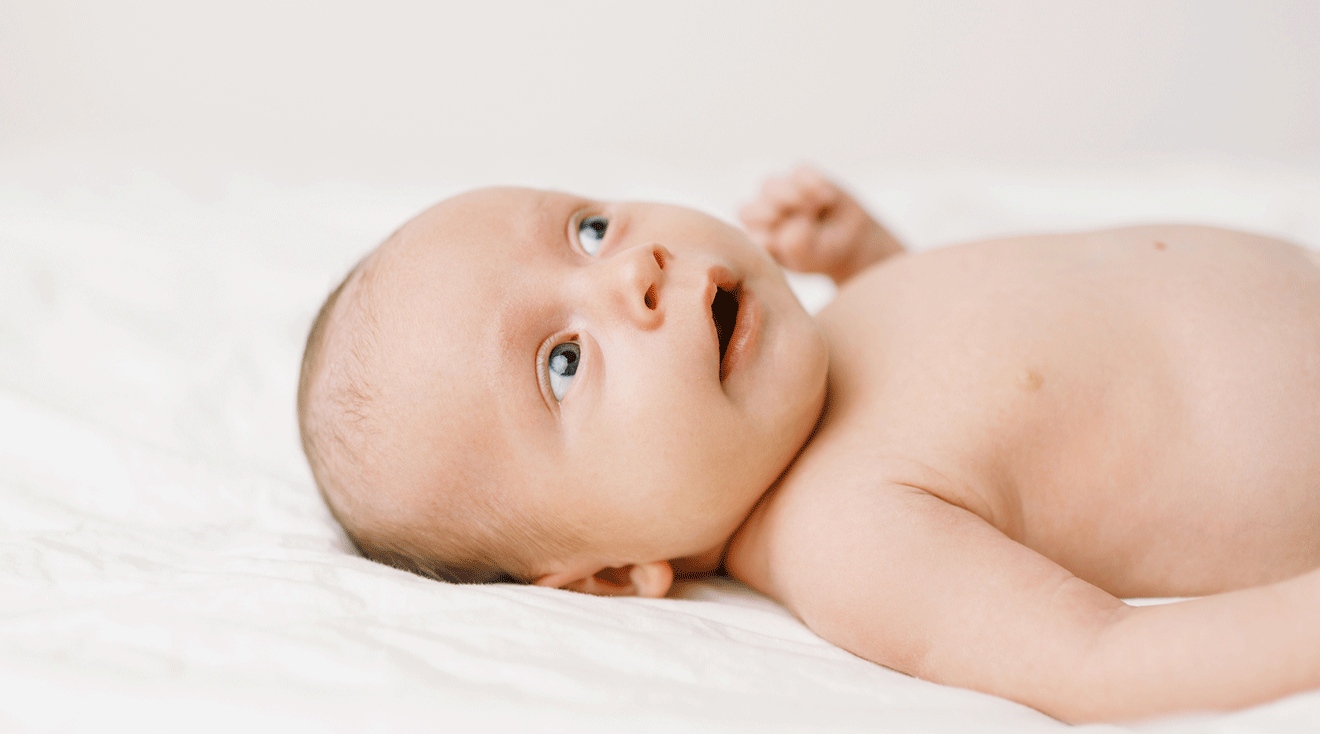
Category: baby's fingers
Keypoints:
(816, 191)
(791, 244)
(760, 220)
(795, 217)
(759, 214)
(789, 195)
(803, 193)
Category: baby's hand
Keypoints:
(810, 225)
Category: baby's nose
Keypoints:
(638, 284)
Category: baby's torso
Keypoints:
(1140, 405)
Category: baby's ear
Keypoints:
(639, 579)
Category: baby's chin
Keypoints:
(804, 395)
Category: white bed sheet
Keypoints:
(165, 563)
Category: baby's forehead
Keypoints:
(510, 215)
(438, 289)
(457, 255)
(456, 266)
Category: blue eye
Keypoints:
(591, 232)
(563, 365)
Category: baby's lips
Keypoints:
(747, 326)
(718, 277)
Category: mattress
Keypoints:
(166, 563)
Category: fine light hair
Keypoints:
(460, 533)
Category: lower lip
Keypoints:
(744, 333)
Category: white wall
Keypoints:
(594, 92)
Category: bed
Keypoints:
(166, 563)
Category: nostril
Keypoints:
(659, 258)
(649, 298)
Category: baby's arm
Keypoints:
(898, 576)
(810, 225)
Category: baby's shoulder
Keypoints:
(835, 481)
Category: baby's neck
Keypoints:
(714, 560)
(701, 564)
(739, 554)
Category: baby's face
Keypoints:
(572, 350)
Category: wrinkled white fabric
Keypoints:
(165, 562)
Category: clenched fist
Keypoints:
(810, 225)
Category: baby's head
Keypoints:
(531, 385)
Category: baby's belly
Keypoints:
(1141, 406)
(1183, 477)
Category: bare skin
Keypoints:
(1008, 436)
(1019, 431)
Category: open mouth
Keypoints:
(724, 309)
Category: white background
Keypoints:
(592, 94)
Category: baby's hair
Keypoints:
(337, 419)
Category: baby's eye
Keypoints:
(563, 365)
(591, 232)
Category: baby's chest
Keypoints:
(1151, 429)
(1126, 359)
(1135, 511)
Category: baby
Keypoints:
(956, 469)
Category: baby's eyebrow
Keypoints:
(514, 372)
(551, 216)
(518, 327)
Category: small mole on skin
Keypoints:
(1031, 379)
(1159, 245)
